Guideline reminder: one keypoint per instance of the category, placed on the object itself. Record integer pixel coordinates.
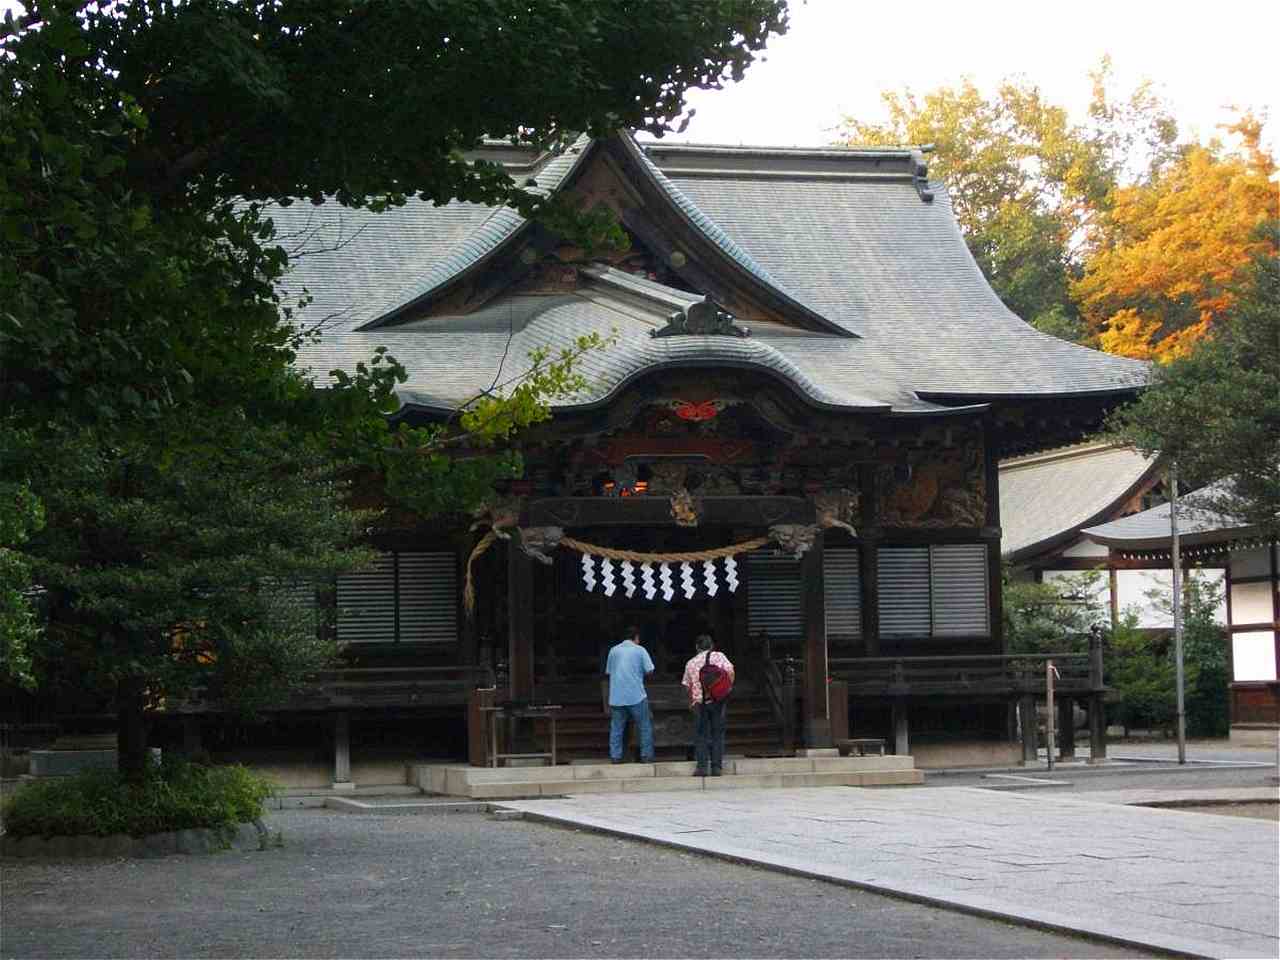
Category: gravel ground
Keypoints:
(464, 885)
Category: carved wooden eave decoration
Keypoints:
(704, 318)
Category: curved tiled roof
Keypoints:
(1046, 498)
(1150, 529)
(451, 360)
(846, 235)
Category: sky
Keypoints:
(839, 55)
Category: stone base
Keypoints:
(970, 753)
(1254, 734)
(343, 786)
(491, 783)
(244, 836)
(817, 752)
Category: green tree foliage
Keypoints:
(1139, 668)
(1204, 650)
(1216, 411)
(1141, 665)
(21, 514)
(145, 382)
(1051, 617)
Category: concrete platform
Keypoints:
(1192, 884)
(494, 783)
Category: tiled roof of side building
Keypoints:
(1046, 498)
(1151, 529)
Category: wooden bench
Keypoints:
(860, 746)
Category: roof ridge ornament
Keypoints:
(920, 174)
(702, 318)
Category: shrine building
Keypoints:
(790, 441)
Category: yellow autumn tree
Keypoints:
(1168, 251)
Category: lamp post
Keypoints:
(1177, 610)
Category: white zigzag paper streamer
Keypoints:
(588, 572)
(646, 580)
(709, 576)
(686, 580)
(731, 574)
(606, 576)
(664, 574)
(628, 578)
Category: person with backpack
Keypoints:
(708, 677)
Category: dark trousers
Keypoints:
(708, 735)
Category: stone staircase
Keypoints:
(582, 729)
(505, 783)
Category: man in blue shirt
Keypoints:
(627, 666)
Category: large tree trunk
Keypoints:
(131, 731)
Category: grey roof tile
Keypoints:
(1049, 496)
(867, 254)
(1151, 529)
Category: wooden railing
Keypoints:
(1011, 674)
(779, 679)
(378, 685)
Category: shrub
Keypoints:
(1052, 617)
(1140, 669)
(174, 795)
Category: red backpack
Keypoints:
(717, 682)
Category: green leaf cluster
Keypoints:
(188, 476)
(1216, 411)
(1053, 617)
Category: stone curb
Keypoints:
(244, 836)
(436, 808)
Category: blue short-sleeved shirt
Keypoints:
(627, 665)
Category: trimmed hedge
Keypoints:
(174, 795)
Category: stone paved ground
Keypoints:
(463, 885)
(1173, 880)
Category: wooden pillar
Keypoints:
(469, 645)
(342, 752)
(1066, 727)
(901, 735)
(1097, 729)
(838, 705)
(817, 714)
(1097, 707)
(995, 573)
(190, 735)
(519, 642)
(1027, 717)
(519, 624)
(869, 534)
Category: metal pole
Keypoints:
(1050, 727)
(1177, 610)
